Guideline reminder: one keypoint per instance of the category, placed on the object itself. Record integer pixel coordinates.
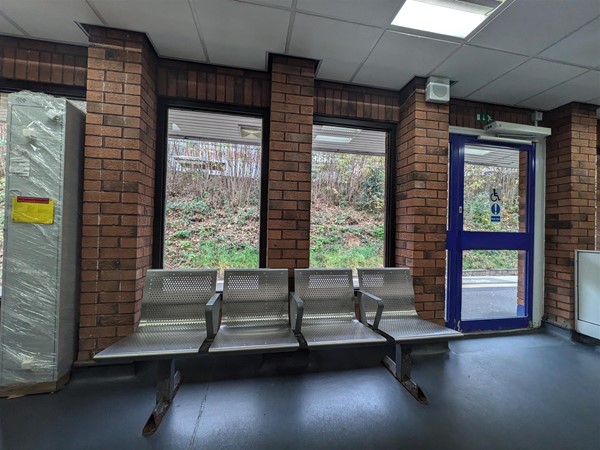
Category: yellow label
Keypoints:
(33, 210)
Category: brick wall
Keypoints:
(118, 185)
(356, 102)
(290, 153)
(463, 113)
(43, 62)
(217, 84)
(570, 203)
(421, 197)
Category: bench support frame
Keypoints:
(401, 369)
(168, 381)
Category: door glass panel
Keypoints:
(495, 188)
(493, 284)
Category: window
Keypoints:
(212, 201)
(348, 197)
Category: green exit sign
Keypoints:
(483, 118)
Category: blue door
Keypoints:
(490, 235)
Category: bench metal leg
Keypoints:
(168, 380)
(401, 371)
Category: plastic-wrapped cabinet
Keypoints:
(38, 317)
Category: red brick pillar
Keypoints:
(290, 153)
(598, 188)
(570, 204)
(421, 197)
(118, 185)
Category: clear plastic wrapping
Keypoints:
(38, 313)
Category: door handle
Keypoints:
(460, 209)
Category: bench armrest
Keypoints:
(296, 312)
(213, 308)
(363, 298)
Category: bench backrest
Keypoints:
(255, 297)
(175, 299)
(328, 294)
(394, 286)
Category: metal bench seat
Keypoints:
(172, 319)
(148, 345)
(254, 313)
(410, 328)
(328, 309)
(172, 324)
(399, 321)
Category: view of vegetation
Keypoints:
(347, 216)
(213, 195)
(212, 205)
(479, 180)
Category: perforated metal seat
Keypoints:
(400, 321)
(254, 313)
(172, 319)
(329, 317)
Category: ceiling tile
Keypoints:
(473, 67)
(373, 12)
(399, 57)
(170, 26)
(594, 101)
(240, 34)
(530, 78)
(283, 3)
(55, 23)
(582, 47)
(528, 27)
(7, 28)
(347, 44)
(579, 89)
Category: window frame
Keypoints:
(389, 245)
(163, 106)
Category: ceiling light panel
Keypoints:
(333, 139)
(334, 129)
(448, 17)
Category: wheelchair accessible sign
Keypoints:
(496, 205)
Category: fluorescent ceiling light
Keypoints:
(455, 18)
(476, 152)
(250, 132)
(335, 129)
(333, 139)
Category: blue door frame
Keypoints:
(458, 240)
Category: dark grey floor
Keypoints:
(516, 392)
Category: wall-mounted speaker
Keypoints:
(437, 90)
